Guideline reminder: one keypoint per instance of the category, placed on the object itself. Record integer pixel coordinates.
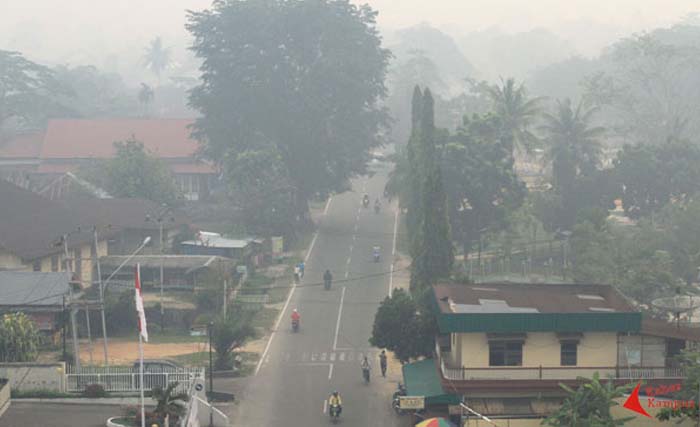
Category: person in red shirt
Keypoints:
(296, 318)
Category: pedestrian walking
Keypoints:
(382, 362)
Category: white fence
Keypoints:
(126, 379)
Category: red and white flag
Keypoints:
(143, 330)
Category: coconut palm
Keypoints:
(572, 143)
(169, 405)
(157, 57)
(517, 111)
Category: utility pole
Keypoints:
(162, 309)
(63, 324)
(102, 297)
(87, 323)
(225, 296)
(74, 330)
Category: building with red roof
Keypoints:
(68, 143)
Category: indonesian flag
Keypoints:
(139, 304)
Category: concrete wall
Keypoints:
(34, 376)
(541, 349)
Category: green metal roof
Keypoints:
(620, 321)
(422, 379)
(539, 322)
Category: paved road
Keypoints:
(298, 371)
(56, 415)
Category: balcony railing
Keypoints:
(511, 373)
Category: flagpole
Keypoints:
(143, 410)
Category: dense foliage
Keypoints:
(19, 338)
(304, 78)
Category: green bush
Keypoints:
(94, 390)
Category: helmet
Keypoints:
(335, 393)
(295, 310)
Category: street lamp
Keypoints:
(159, 219)
(103, 288)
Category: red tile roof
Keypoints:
(193, 167)
(23, 146)
(80, 139)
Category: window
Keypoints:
(505, 353)
(569, 351)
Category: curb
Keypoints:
(82, 401)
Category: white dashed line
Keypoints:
(337, 323)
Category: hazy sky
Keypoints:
(101, 31)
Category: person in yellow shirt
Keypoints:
(334, 401)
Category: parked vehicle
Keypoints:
(395, 401)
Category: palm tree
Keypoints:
(157, 57)
(573, 143)
(169, 405)
(146, 96)
(517, 112)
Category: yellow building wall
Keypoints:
(543, 349)
(10, 261)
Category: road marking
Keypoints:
(348, 261)
(347, 273)
(325, 404)
(332, 357)
(323, 357)
(342, 357)
(328, 204)
(330, 371)
(354, 237)
(284, 310)
(393, 252)
(314, 356)
(337, 323)
(351, 246)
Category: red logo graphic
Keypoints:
(632, 402)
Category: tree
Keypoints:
(93, 93)
(307, 77)
(517, 112)
(480, 182)
(146, 96)
(589, 405)
(169, 405)
(401, 327)
(652, 176)
(27, 92)
(157, 57)
(229, 334)
(690, 362)
(259, 183)
(133, 173)
(573, 145)
(592, 253)
(681, 224)
(434, 254)
(19, 338)
(411, 178)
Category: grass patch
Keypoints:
(196, 359)
(39, 394)
(265, 318)
(402, 243)
(172, 338)
(248, 363)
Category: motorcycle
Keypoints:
(365, 201)
(375, 255)
(334, 413)
(395, 400)
(376, 208)
(365, 375)
(295, 325)
(327, 284)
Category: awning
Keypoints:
(421, 379)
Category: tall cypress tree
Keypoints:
(434, 254)
(412, 196)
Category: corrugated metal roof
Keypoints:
(32, 289)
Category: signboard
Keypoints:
(411, 402)
(277, 244)
(241, 269)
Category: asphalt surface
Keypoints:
(298, 371)
(21, 414)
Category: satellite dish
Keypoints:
(677, 305)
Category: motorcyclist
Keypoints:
(365, 200)
(335, 400)
(327, 278)
(375, 253)
(377, 205)
(296, 317)
(365, 368)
